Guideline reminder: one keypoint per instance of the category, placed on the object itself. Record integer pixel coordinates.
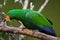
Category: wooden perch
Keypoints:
(29, 33)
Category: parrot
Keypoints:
(32, 20)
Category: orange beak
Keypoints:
(7, 18)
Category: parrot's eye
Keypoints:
(7, 18)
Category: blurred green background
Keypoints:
(51, 11)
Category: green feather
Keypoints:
(29, 15)
(38, 18)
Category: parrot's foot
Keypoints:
(34, 31)
(24, 28)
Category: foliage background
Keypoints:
(51, 11)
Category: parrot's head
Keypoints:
(8, 18)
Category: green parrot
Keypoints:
(32, 20)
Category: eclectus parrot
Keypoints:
(32, 20)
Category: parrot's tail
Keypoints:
(47, 30)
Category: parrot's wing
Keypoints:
(38, 19)
(43, 24)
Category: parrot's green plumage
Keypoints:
(32, 20)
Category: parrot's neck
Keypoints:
(17, 14)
